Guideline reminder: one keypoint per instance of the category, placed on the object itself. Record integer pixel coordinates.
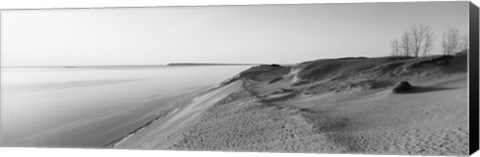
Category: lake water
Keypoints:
(83, 107)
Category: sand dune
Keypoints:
(180, 118)
(325, 106)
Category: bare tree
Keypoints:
(414, 41)
(416, 33)
(428, 45)
(406, 44)
(421, 39)
(464, 43)
(395, 48)
(450, 41)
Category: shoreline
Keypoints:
(186, 103)
(132, 133)
(189, 95)
(184, 114)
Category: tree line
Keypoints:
(418, 40)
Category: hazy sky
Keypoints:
(226, 34)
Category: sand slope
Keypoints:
(326, 106)
(168, 126)
(428, 122)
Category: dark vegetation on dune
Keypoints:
(264, 73)
(360, 73)
(402, 87)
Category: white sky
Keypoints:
(225, 34)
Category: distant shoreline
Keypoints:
(208, 64)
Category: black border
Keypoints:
(473, 79)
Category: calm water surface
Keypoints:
(91, 107)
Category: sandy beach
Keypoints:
(345, 105)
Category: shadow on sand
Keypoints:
(417, 89)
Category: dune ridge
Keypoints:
(326, 106)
